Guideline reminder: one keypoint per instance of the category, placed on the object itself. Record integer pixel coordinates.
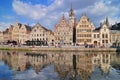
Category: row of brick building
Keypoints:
(65, 32)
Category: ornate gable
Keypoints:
(84, 22)
(63, 22)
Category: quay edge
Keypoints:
(63, 49)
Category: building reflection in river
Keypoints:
(75, 66)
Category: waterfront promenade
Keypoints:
(62, 48)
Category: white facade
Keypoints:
(39, 33)
(101, 35)
(104, 36)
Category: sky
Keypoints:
(48, 12)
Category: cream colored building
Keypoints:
(24, 31)
(10, 32)
(40, 33)
(15, 32)
(63, 32)
(51, 39)
(6, 35)
(86, 33)
(104, 35)
(115, 37)
(1, 37)
(84, 30)
(101, 35)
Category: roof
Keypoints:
(115, 26)
(19, 24)
(6, 31)
(97, 29)
(62, 21)
(115, 31)
(28, 27)
(71, 13)
(38, 24)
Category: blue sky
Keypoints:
(48, 12)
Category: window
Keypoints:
(83, 30)
(106, 41)
(37, 34)
(35, 30)
(89, 35)
(97, 35)
(106, 35)
(102, 35)
(102, 41)
(37, 27)
(94, 35)
(113, 38)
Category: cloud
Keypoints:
(49, 15)
(100, 10)
(112, 20)
(103, 9)
(7, 17)
(4, 25)
(26, 9)
(45, 74)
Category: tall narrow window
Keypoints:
(97, 35)
(102, 41)
(102, 35)
(106, 35)
(94, 35)
(106, 41)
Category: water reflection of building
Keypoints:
(84, 66)
(22, 61)
(15, 60)
(80, 66)
(103, 61)
(71, 66)
(63, 65)
(96, 59)
(38, 61)
(75, 66)
(115, 58)
(11, 59)
(1, 55)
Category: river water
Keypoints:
(16, 65)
